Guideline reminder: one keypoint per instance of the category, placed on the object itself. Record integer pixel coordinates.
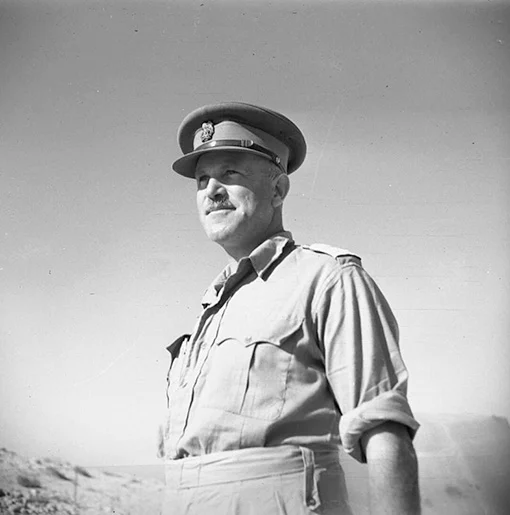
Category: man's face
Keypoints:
(234, 198)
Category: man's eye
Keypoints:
(202, 180)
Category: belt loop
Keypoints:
(180, 464)
(311, 491)
(199, 473)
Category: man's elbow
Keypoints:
(389, 440)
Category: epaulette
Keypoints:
(334, 252)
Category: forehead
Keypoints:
(224, 159)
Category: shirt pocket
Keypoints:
(247, 370)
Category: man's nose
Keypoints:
(215, 189)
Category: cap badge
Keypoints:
(207, 131)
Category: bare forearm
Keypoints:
(393, 471)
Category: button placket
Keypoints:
(191, 371)
(214, 328)
(195, 350)
(190, 348)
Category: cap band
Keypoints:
(237, 132)
(244, 143)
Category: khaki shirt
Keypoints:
(295, 345)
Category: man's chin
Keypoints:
(221, 236)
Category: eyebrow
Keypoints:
(227, 168)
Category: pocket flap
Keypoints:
(275, 331)
(175, 346)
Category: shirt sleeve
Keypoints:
(359, 338)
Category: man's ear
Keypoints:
(281, 188)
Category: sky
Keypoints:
(405, 109)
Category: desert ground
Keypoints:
(48, 485)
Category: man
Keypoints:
(295, 351)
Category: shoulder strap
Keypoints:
(334, 252)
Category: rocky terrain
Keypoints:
(46, 486)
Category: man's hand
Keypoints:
(392, 469)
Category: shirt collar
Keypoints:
(261, 259)
(212, 291)
(269, 251)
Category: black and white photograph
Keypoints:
(255, 257)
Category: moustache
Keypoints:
(216, 206)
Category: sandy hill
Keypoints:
(44, 486)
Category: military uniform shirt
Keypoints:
(295, 345)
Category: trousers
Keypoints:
(283, 480)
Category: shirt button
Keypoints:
(311, 501)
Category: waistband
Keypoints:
(245, 464)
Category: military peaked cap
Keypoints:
(239, 127)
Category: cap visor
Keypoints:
(186, 165)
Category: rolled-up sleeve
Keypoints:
(358, 335)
